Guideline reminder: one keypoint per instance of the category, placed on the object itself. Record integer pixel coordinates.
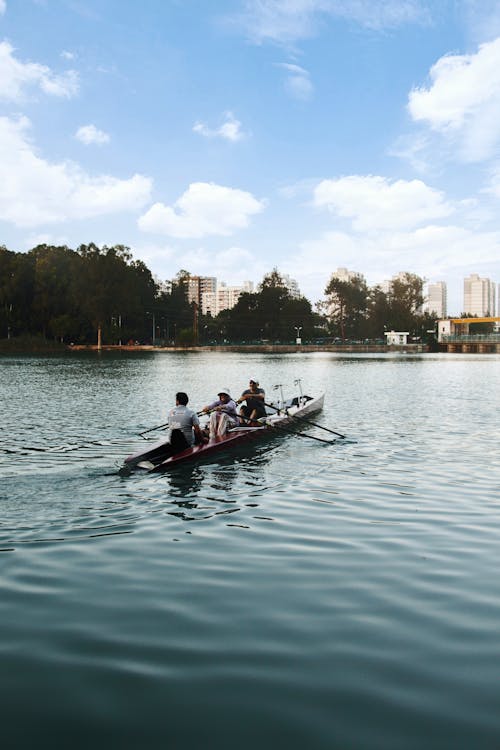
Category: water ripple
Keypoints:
(298, 594)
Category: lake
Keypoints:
(296, 594)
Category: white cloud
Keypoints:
(66, 55)
(35, 192)
(45, 238)
(415, 149)
(16, 77)
(298, 82)
(374, 203)
(230, 129)
(89, 134)
(204, 209)
(432, 252)
(232, 264)
(493, 186)
(287, 21)
(3, 7)
(462, 101)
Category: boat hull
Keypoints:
(297, 408)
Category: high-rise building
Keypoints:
(437, 299)
(224, 297)
(291, 285)
(197, 286)
(342, 274)
(387, 285)
(479, 296)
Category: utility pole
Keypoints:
(195, 322)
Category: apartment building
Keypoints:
(437, 299)
(223, 297)
(479, 296)
(197, 286)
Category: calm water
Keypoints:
(300, 595)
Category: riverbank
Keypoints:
(261, 348)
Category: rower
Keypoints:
(182, 421)
(223, 414)
(254, 398)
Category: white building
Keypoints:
(291, 285)
(342, 274)
(397, 338)
(386, 286)
(224, 297)
(479, 296)
(437, 299)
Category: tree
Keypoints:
(54, 270)
(109, 283)
(405, 302)
(271, 313)
(16, 292)
(347, 305)
(378, 313)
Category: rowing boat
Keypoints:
(157, 457)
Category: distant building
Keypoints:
(342, 274)
(224, 297)
(397, 338)
(479, 296)
(387, 285)
(437, 299)
(291, 285)
(164, 286)
(197, 286)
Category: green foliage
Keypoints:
(347, 306)
(270, 314)
(356, 312)
(185, 337)
(58, 294)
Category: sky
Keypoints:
(229, 137)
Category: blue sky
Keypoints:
(228, 137)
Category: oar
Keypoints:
(152, 429)
(271, 426)
(298, 434)
(303, 419)
(161, 426)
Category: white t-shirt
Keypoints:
(182, 418)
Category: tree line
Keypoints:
(102, 295)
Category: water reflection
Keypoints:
(110, 504)
(204, 492)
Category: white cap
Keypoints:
(224, 390)
(254, 380)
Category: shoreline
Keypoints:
(414, 348)
(257, 348)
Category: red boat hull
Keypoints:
(152, 458)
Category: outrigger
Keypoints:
(279, 417)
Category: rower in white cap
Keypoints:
(223, 414)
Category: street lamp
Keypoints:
(298, 329)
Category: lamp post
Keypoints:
(298, 340)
